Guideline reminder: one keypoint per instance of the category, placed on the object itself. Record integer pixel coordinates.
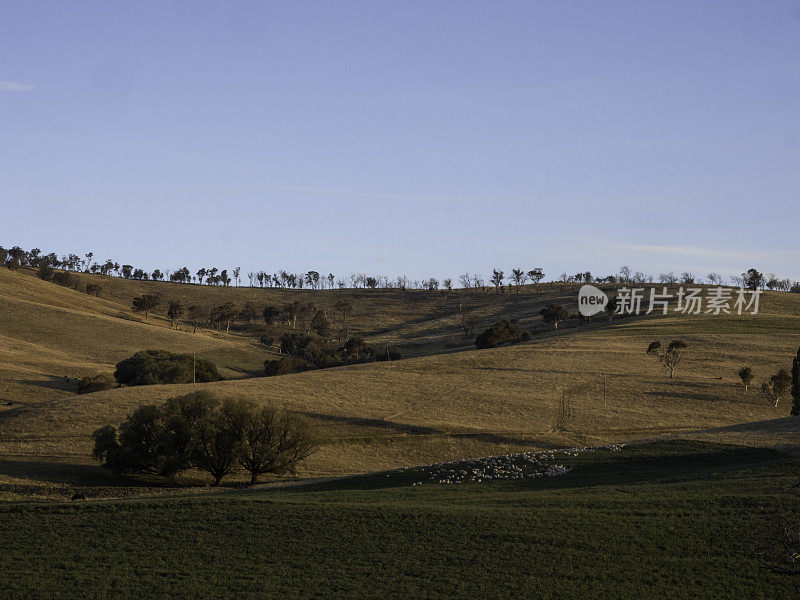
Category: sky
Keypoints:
(418, 138)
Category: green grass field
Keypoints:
(660, 520)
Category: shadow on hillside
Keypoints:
(53, 382)
(69, 473)
(378, 423)
(659, 462)
(492, 438)
(688, 396)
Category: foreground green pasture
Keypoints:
(661, 520)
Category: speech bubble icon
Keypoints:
(591, 300)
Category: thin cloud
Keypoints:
(15, 86)
(362, 194)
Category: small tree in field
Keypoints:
(778, 385)
(554, 314)
(746, 375)
(224, 313)
(174, 312)
(671, 356)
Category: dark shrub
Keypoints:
(46, 272)
(310, 348)
(284, 366)
(294, 343)
(93, 289)
(65, 279)
(150, 367)
(502, 332)
(97, 383)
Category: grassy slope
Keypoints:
(666, 520)
(48, 332)
(419, 410)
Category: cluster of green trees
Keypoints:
(778, 385)
(201, 431)
(502, 332)
(307, 351)
(151, 367)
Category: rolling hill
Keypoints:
(435, 406)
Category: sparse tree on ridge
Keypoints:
(497, 280)
(518, 276)
(752, 279)
(536, 275)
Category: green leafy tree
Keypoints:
(320, 324)
(174, 312)
(150, 367)
(249, 312)
(268, 440)
(146, 303)
(502, 332)
(778, 385)
(213, 447)
(752, 279)
(497, 280)
(518, 276)
(224, 314)
(554, 314)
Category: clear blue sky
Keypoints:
(418, 138)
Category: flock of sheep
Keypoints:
(510, 466)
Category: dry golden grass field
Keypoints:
(440, 403)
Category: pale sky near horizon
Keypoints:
(417, 138)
